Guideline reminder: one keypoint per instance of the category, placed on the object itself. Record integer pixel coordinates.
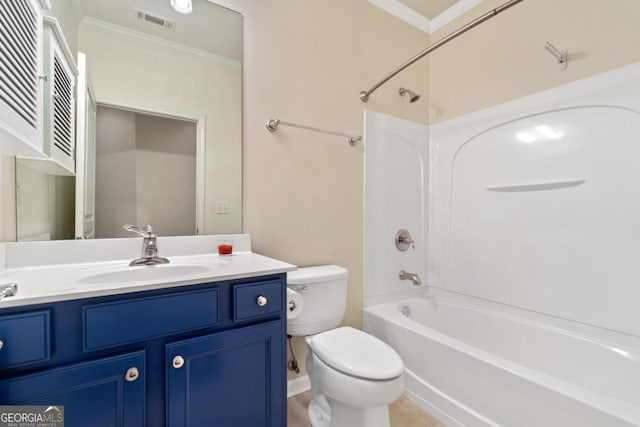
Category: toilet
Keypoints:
(354, 376)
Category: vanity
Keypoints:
(196, 342)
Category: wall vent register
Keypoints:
(155, 20)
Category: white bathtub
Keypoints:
(473, 365)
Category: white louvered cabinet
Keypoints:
(59, 96)
(20, 85)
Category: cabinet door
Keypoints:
(59, 97)
(103, 393)
(233, 378)
(20, 88)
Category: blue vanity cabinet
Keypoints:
(210, 354)
(230, 378)
(102, 393)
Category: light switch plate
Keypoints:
(222, 207)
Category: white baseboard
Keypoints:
(298, 385)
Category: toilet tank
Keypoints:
(324, 296)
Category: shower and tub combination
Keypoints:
(526, 222)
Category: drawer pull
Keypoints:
(1, 344)
(178, 362)
(262, 301)
(132, 374)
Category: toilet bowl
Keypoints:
(354, 376)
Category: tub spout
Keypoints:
(415, 279)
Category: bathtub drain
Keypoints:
(406, 311)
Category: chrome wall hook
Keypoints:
(561, 55)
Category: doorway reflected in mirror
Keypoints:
(145, 173)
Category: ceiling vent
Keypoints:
(155, 20)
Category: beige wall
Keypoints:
(65, 207)
(306, 62)
(505, 59)
(46, 210)
(36, 215)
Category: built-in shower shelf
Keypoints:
(536, 186)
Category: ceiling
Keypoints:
(429, 8)
(210, 27)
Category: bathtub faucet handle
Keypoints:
(415, 279)
(404, 240)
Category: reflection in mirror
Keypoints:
(133, 154)
(144, 57)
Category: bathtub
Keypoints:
(471, 364)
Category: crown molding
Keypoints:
(455, 11)
(138, 35)
(411, 17)
(405, 13)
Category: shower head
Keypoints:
(413, 97)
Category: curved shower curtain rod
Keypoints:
(364, 95)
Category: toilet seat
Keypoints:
(357, 354)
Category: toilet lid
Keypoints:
(357, 353)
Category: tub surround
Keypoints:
(544, 245)
(396, 197)
(64, 270)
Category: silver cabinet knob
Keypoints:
(178, 362)
(1, 344)
(132, 374)
(262, 301)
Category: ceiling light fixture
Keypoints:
(182, 6)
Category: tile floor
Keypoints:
(403, 413)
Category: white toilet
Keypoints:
(354, 376)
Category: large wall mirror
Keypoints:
(163, 105)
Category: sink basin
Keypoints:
(159, 273)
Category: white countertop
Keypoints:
(74, 280)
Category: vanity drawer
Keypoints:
(25, 338)
(257, 299)
(122, 322)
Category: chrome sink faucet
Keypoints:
(415, 279)
(149, 246)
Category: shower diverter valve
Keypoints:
(404, 241)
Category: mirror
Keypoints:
(150, 66)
